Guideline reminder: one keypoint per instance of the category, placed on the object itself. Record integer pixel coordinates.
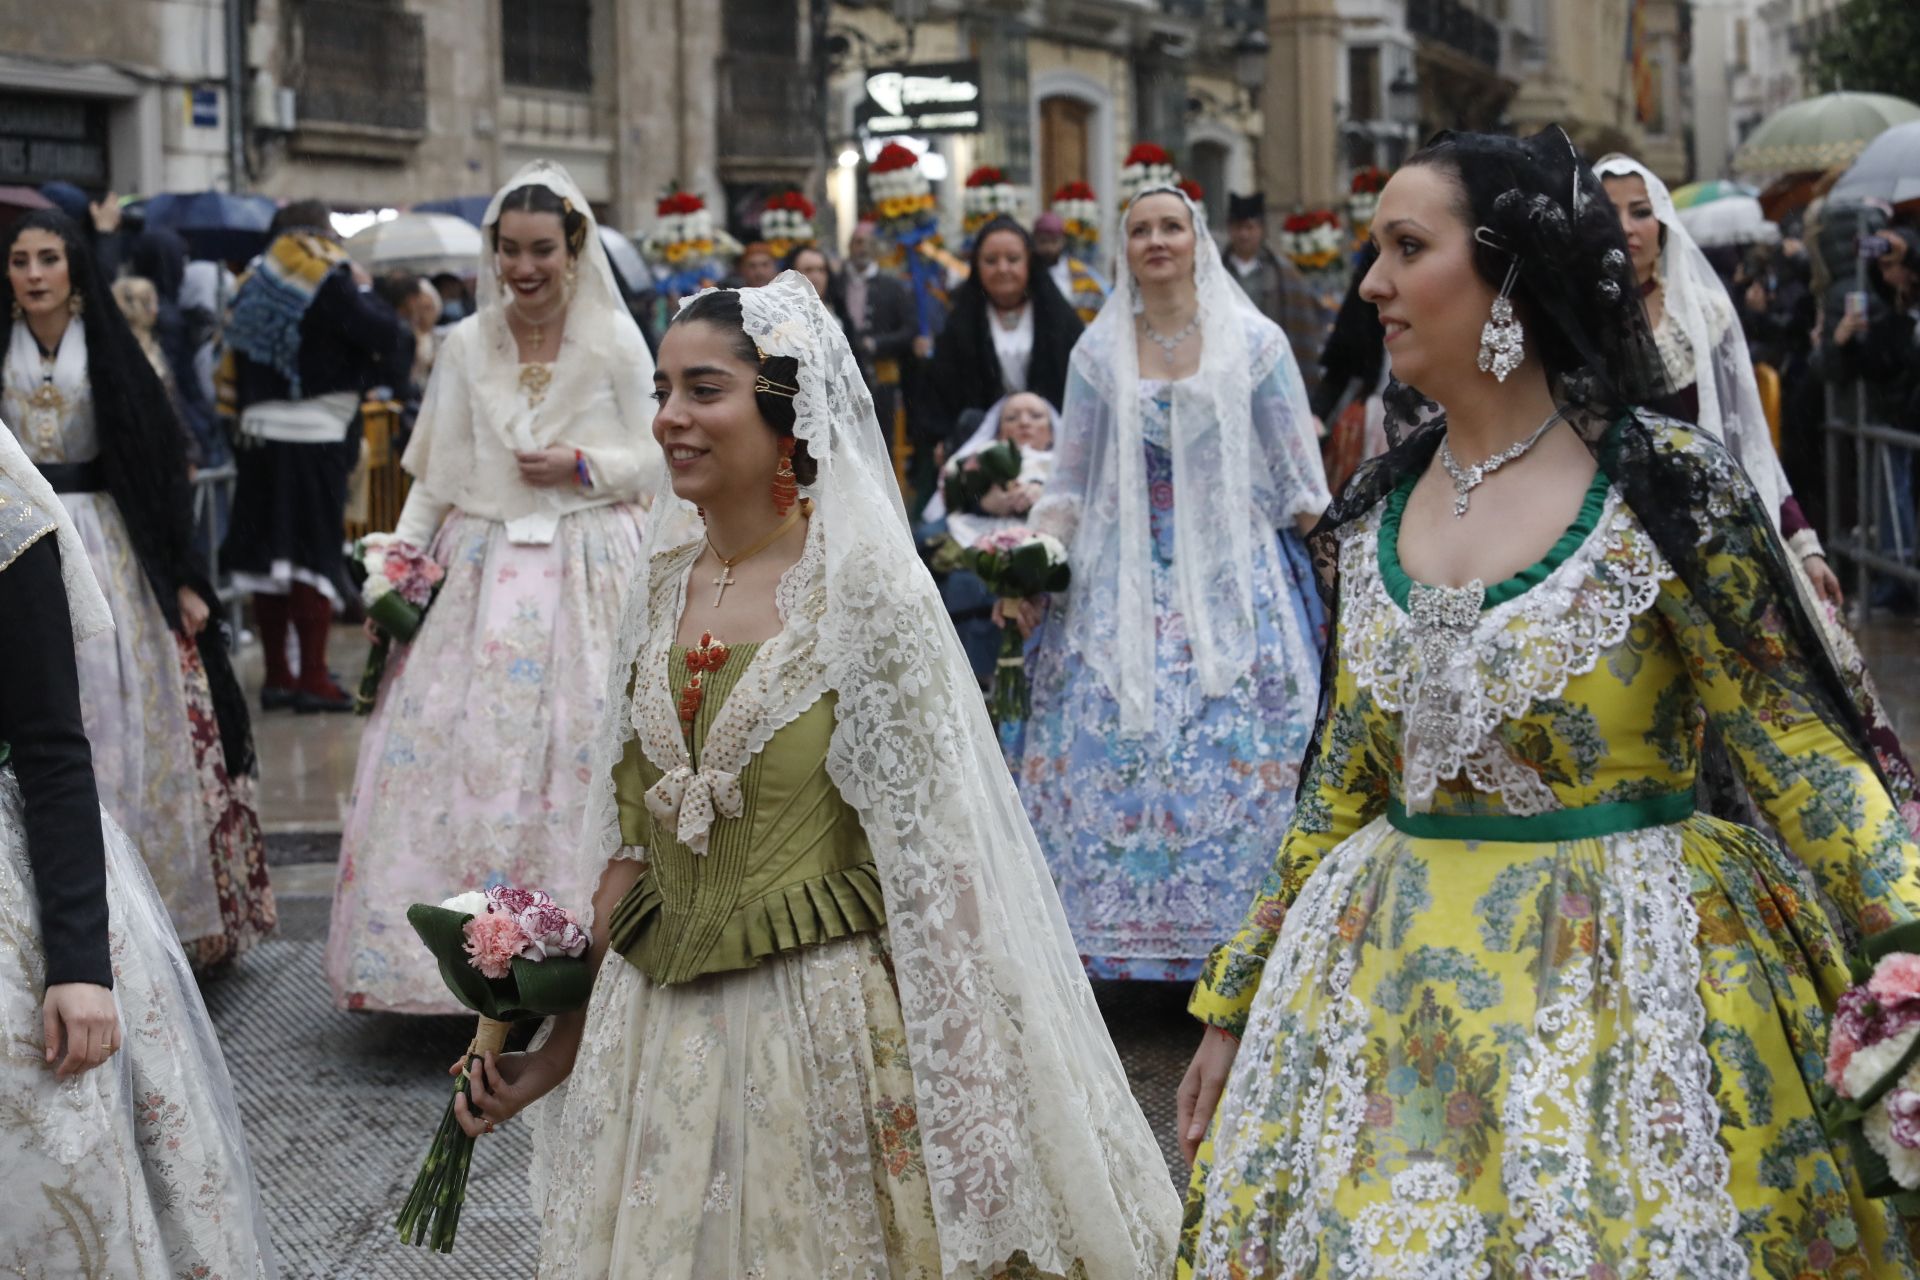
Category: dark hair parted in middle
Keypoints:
(536, 198)
(721, 309)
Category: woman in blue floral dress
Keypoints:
(1174, 687)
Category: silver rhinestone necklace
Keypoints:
(1170, 345)
(1467, 479)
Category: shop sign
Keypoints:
(925, 98)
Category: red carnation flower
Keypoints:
(677, 202)
(1148, 153)
(1193, 190)
(894, 156)
(1369, 181)
(792, 200)
(986, 176)
(1075, 190)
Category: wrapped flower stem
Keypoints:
(1012, 698)
(432, 1212)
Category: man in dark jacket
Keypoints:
(305, 342)
(884, 324)
(1275, 285)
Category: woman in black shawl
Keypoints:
(1512, 1005)
(173, 747)
(1009, 330)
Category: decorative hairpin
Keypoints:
(763, 383)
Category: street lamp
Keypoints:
(1403, 98)
(1250, 60)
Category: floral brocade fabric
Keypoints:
(1509, 1006)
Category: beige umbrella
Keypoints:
(1821, 132)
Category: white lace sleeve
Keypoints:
(1295, 481)
(630, 853)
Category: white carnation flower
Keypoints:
(1056, 550)
(1870, 1062)
(471, 903)
(376, 585)
(1902, 1162)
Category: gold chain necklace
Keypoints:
(724, 579)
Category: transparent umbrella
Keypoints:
(427, 243)
(1889, 169)
(1734, 220)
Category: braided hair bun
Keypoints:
(1535, 204)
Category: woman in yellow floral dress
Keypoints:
(1510, 1005)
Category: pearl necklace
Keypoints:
(1466, 480)
(1170, 345)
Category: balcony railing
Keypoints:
(361, 63)
(1451, 23)
(766, 111)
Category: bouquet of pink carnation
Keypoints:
(506, 954)
(397, 583)
(1872, 1092)
(1016, 564)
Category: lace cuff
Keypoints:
(630, 853)
(1805, 543)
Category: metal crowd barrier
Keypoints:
(1857, 532)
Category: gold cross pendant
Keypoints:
(721, 581)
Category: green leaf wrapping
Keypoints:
(396, 616)
(534, 989)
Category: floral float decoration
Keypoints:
(1363, 197)
(902, 211)
(685, 248)
(1147, 165)
(1313, 240)
(787, 224)
(988, 195)
(1192, 191)
(1079, 211)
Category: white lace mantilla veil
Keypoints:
(599, 329)
(1698, 306)
(85, 602)
(1233, 488)
(1031, 1137)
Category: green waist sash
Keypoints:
(1586, 823)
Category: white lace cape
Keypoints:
(1029, 1131)
(1241, 471)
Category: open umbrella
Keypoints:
(1889, 169)
(470, 208)
(1734, 220)
(426, 243)
(16, 202)
(1698, 193)
(1818, 132)
(627, 262)
(215, 224)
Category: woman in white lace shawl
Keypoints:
(842, 1030)
(1174, 686)
(530, 462)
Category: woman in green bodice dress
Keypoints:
(1508, 1004)
(839, 1026)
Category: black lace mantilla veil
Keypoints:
(1576, 296)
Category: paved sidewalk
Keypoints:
(339, 1107)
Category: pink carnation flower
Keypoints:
(493, 940)
(1896, 979)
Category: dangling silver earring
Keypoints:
(1502, 339)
